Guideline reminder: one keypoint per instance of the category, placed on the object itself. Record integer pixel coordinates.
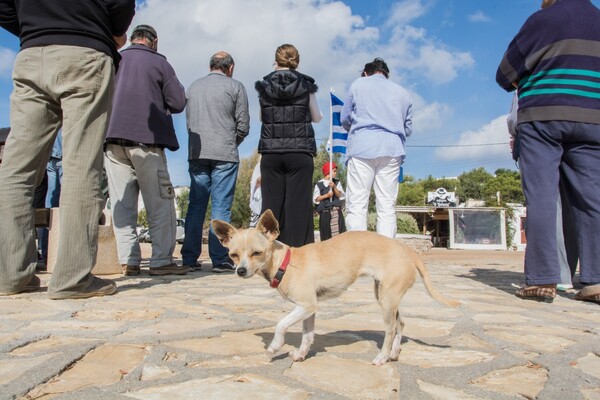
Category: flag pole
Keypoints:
(331, 91)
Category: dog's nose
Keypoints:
(242, 271)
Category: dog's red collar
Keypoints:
(279, 275)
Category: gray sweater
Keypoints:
(217, 117)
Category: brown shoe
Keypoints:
(99, 287)
(589, 293)
(130, 270)
(171, 269)
(545, 293)
(31, 286)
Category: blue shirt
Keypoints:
(378, 116)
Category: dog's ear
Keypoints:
(268, 225)
(223, 230)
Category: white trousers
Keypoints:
(381, 174)
(132, 170)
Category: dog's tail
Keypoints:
(432, 290)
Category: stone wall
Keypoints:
(419, 243)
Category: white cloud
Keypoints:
(406, 11)
(413, 51)
(428, 118)
(474, 144)
(7, 59)
(334, 44)
(326, 34)
(479, 16)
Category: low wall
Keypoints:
(419, 243)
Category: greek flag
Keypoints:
(339, 136)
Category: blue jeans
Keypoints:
(215, 180)
(54, 170)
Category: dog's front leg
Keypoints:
(299, 313)
(308, 337)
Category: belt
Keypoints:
(130, 143)
(123, 142)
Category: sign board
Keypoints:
(441, 198)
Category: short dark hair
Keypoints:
(221, 61)
(144, 32)
(377, 65)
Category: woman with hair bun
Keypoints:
(288, 106)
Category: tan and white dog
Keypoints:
(307, 274)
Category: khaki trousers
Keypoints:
(131, 171)
(53, 86)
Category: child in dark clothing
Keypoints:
(329, 198)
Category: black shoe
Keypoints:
(226, 266)
(42, 264)
(195, 267)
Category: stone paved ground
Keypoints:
(203, 336)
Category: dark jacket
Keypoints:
(555, 60)
(327, 204)
(83, 23)
(147, 91)
(284, 97)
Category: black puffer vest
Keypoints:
(286, 122)
(327, 204)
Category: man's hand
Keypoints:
(120, 41)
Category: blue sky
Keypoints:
(445, 52)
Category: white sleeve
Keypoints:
(315, 112)
(341, 189)
(316, 193)
(511, 120)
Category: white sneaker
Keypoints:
(563, 287)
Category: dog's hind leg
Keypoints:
(298, 314)
(395, 353)
(308, 337)
(389, 302)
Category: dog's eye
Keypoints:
(257, 254)
(233, 255)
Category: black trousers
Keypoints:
(287, 191)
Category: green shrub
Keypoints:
(406, 223)
(372, 222)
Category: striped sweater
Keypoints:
(555, 61)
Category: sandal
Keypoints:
(589, 293)
(130, 270)
(537, 293)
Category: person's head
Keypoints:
(222, 61)
(287, 56)
(548, 3)
(329, 169)
(377, 66)
(145, 35)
